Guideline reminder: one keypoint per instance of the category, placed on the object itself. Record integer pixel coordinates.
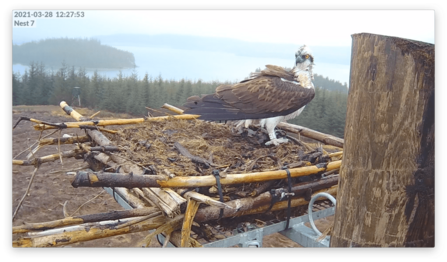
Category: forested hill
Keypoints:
(325, 113)
(87, 53)
(329, 84)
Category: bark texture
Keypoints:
(386, 187)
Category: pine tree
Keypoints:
(60, 92)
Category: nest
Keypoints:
(152, 145)
(211, 180)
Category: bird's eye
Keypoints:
(306, 56)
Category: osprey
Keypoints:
(271, 95)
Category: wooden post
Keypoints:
(386, 187)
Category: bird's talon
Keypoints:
(277, 141)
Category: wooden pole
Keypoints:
(104, 179)
(386, 188)
(107, 122)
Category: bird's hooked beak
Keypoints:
(298, 59)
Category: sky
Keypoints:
(314, 27)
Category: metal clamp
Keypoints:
(311, 203)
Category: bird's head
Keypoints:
(304, 56)
(304, 61)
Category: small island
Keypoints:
(79, 52)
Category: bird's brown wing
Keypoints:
(271, 93)
(266, 94)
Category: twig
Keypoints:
(95, 114)
(28, 148)
(86, 203)
(278, 162)
(57, 125)
(68, 170)
(64, 209)
(193, 158)
(325, 233)
(26, 192)
(138, 220)
(299, 142)
(168, 237)
(158, 111)
(59, 147)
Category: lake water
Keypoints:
(205, 65)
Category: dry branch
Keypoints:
(113, 215)
(103, 179)
(109, 122)
(173, 109)
(102, 140)
(26, 192)
(327, 139)
(190, 212)
(68, 238)
(205, 199)
(249, 206)
(163, 200)
(64, 140)
(116, 224)
(49, 158)
(193, 158)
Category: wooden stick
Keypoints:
(102, 140)
(283, 204)
(69, 238)
(33, 151)
(87, 202)
(176, 237)
(70, 111)
(103, 179)
(191, 210)
(262, 188)
(95, 114)
(204, 199)
(109, 122)
(327, 139)
(169, 226)
(113, 215)
(64, 140)
(193, 158)
(107, 223)
(100, 179)
(336, 154)
(164, 201)
(40, 122)
(173, 109)
(49, 158)
(245, 204)
(247, 178)
(26, 192)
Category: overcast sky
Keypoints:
(314, 27)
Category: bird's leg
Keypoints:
(270, 126)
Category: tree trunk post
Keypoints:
(386, 186)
